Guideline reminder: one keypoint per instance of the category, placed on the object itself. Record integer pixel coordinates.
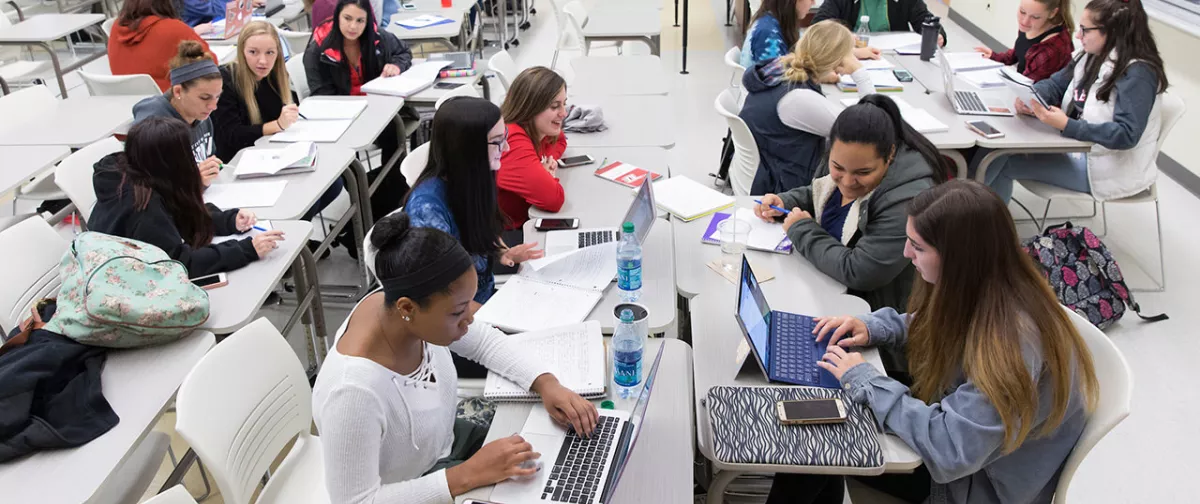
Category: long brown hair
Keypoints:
(531, 93)
(1064, 17)
(784, 11)
(158, 160)
(1127, 31)
(988, 295)
(247, 82)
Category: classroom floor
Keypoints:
(1156, 444)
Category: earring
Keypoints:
(407, 319)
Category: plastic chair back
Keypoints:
(463, 90)
(745, 161)
(30, 270)
(74, 174)
(505, 68)
(119, 85)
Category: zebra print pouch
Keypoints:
(746, 430)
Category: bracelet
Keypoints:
(279, 125)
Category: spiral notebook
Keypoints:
(573, 353)
(552, 292)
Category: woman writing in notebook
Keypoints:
(150, 192)
(1003, 383)
(787, 112)
(534, 110)
(1108, 94)
(1043, 41)
(385, 399)
(775, 29)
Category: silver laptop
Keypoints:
(576, 469)
(641, 213)
(970, 102)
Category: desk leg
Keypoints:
(487, 89)
(308, 303)
(58, 72)
(716, 489)
(989, 158)
(4, 86)
(959, 161)
(181, 469)
(654, 45)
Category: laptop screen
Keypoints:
(635, 425)
(947, 73)
(753, 313)
(642, 212)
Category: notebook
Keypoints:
(313, 131)
(768, 237)
(562, 290)
(298, 157)
(970, 61)
(626, 174)
(920, 119)
(689, 200)
(574, 353)
(410, 82)
(423, 21)
(316, 109)
(983, 79)
(265, 226)
(246, 194)
(884, 80)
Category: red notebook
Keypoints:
(626, 174)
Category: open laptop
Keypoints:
(642, 213)
(237, 14)
(576, 469)
(782, 343)
(269, 9)
(970, 102)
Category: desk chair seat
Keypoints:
(744, 164)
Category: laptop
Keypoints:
(237, 13)
(459, 60)
(269, 9)
(642, 213)
(576, 469)
(970, 102)
(782, 343)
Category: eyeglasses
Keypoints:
(1084, 29)
(500, 143)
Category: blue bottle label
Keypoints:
(627, 370)
(629, 274)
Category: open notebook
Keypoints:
(574, 353)
(410, 82)
(554, 291)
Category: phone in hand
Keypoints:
(984, 129)
(902, 75)
(811, 411)
(209, 282)
(575, 161)
(555, 224)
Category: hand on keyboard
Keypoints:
(838, 361)
(843, 331)
(565, 406)
(497, 461)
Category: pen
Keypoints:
(301, 116)
(260, 228)
(605, 160)
(773, 207)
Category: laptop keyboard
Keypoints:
(589, 238)
(576, 475)
(969, 101)
(793, 353)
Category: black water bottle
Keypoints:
(930, 30)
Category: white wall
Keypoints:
(998, 18)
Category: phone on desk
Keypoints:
(408, 6)
(447, 85)
(902, 75)
(209, 282)
(984, 129)
(568, 162)
(555, 224)
(811, 411)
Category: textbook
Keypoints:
(298, 157)
(554, 291)
(574, 353)
(689, 200)
(626, 174)
(410, 82)
(768, 237)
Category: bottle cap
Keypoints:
(606, 405)
(627, 315)
(627, 228)
(865, 18)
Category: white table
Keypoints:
(43, 29)
(594, 199)
(63, 125)
(443, 33)
(660, 465)
(138, 384)
(618, 75)
(633, 121)
(25, 163)
(624, 23)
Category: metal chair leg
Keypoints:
(1162, 262)
(204, 478)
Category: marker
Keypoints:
(773, 207)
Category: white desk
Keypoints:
(62, 125)
(25, 163)
(303, 189)
(660, 466)
(618, 75)
(236, 304)
(43, 29)
(633, 121)
(624, 23)
(594, 199)
(440, 33)
(138, 384)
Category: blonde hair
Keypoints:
(818, 52)
(247, 82)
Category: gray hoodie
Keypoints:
(160, 106)
(871, 262)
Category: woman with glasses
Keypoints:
(534, 109)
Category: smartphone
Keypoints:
(984, 129)
(447, 85)
(555, 224)
(212, 281)
(811, 411)
(575, 161)
(902, 75)
(409, 6)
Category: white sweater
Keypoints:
(381, 431)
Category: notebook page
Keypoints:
(416, 78)
(522, 304)
(574, 353)
(763, 235)
(244, 194)
(314, 108)
(270, 161)
(591, 268)
(313, 131)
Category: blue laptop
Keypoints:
(782, 343)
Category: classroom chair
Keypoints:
(733, 60)
(30, 270)
(240, 406)
(14, 68)
(107, 25)
(174, 495)
(414, 163)
(119, 85)
(18, 108)
(298, 76)
(296, 41)
(463, 90)
(74, 174)
(1173, 108)
(505, 68)
(744, 164)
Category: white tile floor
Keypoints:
(1147, 459)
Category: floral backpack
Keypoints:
(1083, 274)
(122, 293)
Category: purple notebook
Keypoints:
(784, 247)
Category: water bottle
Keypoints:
(863, 32)
(930, 29)
(629, 265)
(627, 356)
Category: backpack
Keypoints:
(1083, 274)
(122, 293)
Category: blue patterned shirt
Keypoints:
(764, 41)
(427, 207)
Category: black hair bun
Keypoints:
(390, 230)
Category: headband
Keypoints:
(429, 279)
(193, 70)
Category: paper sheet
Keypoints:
(270, 161)
(422, 21)
(920, 119)
(315, 109)
(265, 224)
(910, 50)
(245, 194)
(883, 79)
(574, 353)
(879, 64)
(526, 305)
(891, 41)
(763, 235)
(968, 61)
(586, 268)
(411, 81)
(983, 79)
(313, 131)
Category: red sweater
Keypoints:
(148, 49)
(1043, 58)
(523, 182)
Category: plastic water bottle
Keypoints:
(627, 356)
(863, 32)
(629, 265)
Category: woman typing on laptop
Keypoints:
(384, 402)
